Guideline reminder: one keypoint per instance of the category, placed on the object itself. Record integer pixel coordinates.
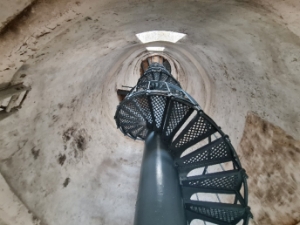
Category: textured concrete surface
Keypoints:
(271, 158)
(12, 210)
(62, 154)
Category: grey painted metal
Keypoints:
(159, 200)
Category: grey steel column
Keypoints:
(159, 199)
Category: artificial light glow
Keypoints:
(158, 49)
(157, 35)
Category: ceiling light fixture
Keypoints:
(156, 49)
(157, 35)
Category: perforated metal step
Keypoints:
(213, 153)
(218, 213)
(177, 114)
(198, 129)
(225, 182)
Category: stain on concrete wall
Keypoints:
(271, 159)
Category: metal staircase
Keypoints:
(199, 149)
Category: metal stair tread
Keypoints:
(177, 113)
(223, 213)
(229, 180)
(196, 130)
(188, 191)
(158, 105)
(202, 156)
(143, 104)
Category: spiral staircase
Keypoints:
(203, 156)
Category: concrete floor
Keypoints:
(62, 155)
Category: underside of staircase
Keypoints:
(204, 159)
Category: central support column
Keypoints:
(159, 199)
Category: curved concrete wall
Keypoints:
(62, 154)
